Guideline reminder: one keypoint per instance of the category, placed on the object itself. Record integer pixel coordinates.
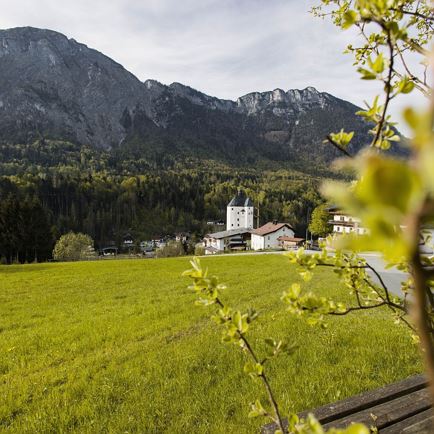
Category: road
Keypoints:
(391, 277)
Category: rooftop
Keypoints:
(271, 227)
(229, 233)
(240, 200)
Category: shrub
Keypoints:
(171, 249)
(74, 247)
(199, 250)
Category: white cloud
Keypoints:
(225, 48)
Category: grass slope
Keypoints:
(118, 346)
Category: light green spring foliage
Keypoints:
(392, 197)
(74, 247)
(353, 273)
(319, 224)
(235, 327)
(388, 191)
(389, 31)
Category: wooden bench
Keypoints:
(402, 407)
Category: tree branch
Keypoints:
(277, 417)
(339, 147)
(388, 85)
(352, 309)
(414, 14)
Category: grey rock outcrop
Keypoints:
(55, 87)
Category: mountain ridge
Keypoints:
(54, 87)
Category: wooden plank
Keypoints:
(389, 412)
(423, 427)
(422, 423)
(354, 404)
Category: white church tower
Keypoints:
(239, 212)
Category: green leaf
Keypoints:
(257, 409)
(349, 19)
(253, 369)
(405, 85)
(378, 64)
(366, 74)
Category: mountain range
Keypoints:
(53, 87)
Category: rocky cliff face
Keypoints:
(55, 87)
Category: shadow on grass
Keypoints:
(24, 268)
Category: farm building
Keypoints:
(267, 236)
(235, 239)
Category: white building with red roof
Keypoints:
(267, 236)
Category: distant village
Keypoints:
(240, 233)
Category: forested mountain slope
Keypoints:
(52, 87)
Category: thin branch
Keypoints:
(415, 46)
(380, 279)
(414, 14)
(277, 417)
(388, 85)
(352, 309)
(418, 83)
(336, 145)
(392, 306)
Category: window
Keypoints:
(268, 236)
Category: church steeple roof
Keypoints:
(241, 200)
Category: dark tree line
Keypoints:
(25, 234)
(74, 189)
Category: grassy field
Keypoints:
(119, 347)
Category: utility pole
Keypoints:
(257, 217)
(307, 223)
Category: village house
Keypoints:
(344, 223)
(127, 241)
(267, 236)
(182, 237)
(158, 241)
(234, 239)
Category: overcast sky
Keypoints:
(225, 48)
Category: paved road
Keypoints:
(391, 277)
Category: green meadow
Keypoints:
(120, 347)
